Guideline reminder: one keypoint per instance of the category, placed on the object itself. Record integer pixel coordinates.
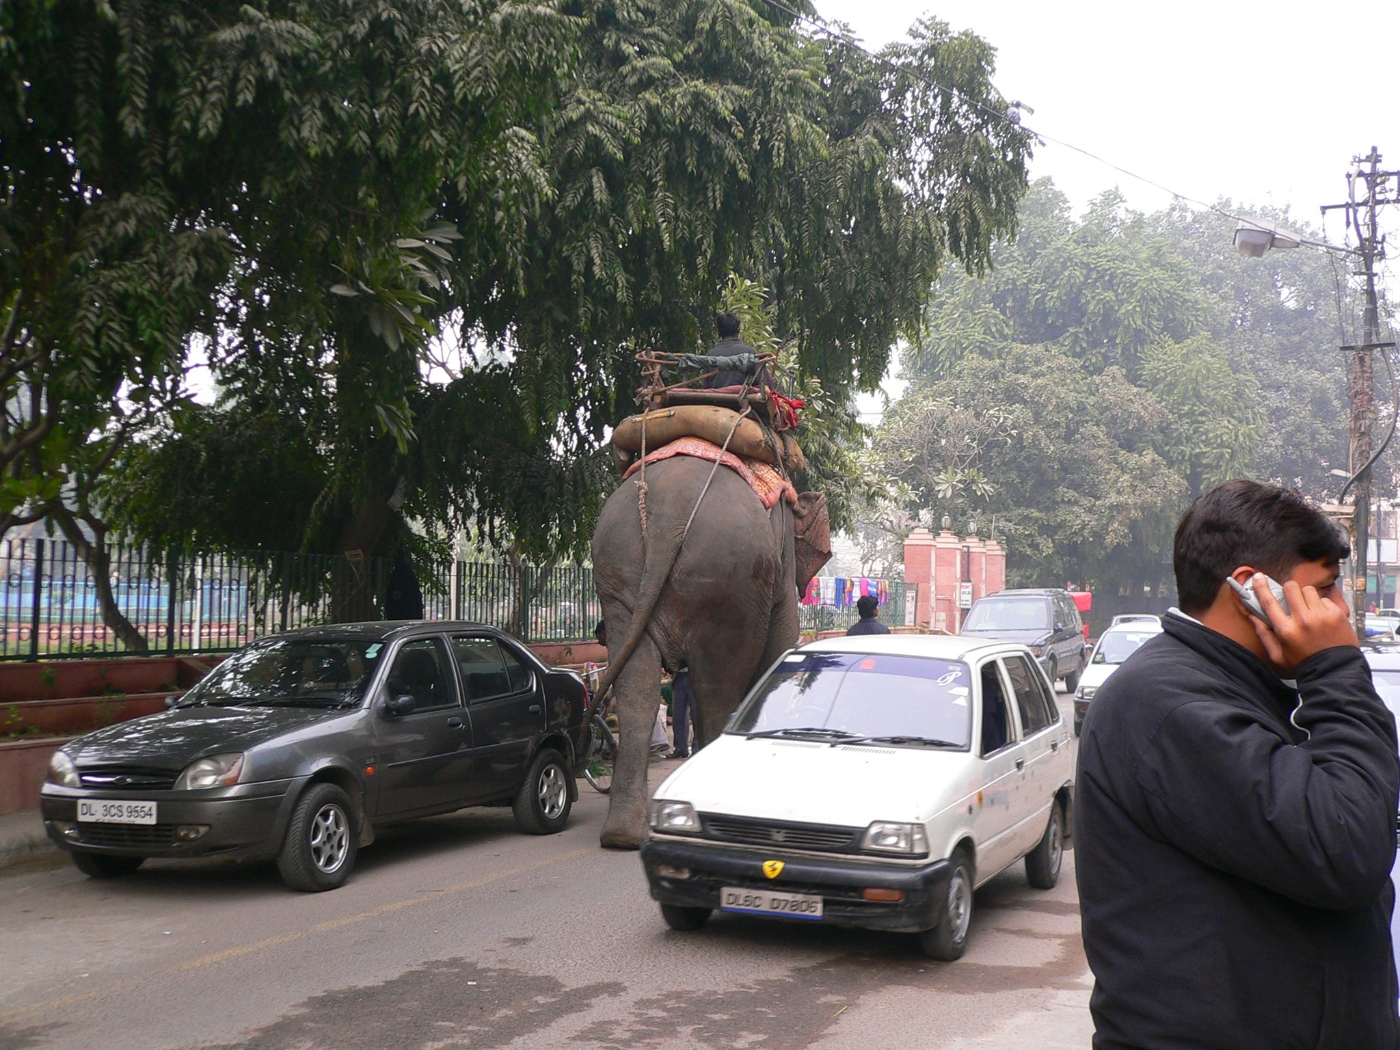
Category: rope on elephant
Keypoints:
(723, 449)
(642, 487)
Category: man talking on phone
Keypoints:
(1235, 818)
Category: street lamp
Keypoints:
(1254, 240)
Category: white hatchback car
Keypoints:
(874, 782)
(1114, 646)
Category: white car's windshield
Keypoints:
(1009, 614)
(1387, 685)
(860, 696)
(1116, 646)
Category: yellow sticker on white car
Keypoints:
(772, 868)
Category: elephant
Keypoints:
(723, 603)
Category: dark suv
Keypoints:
(299, 746)
(1046, 619)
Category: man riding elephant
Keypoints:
(729, 345)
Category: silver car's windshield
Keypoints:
(1116, 646)
(1009, 614)
(863, 697)
(290, 672)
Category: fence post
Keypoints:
(172, 571)
(526, 575)
(34, 604)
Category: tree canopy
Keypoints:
(1108, 369)
(532, 240)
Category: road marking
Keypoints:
(285, 938)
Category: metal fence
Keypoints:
(892, 614)
(186, 601)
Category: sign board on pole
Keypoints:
(911, 605)
(965, 595)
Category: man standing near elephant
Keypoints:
(869, 609)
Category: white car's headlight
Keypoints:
(887, 837)
(675, 817)
(214, 771)
(1086, 692)
(62, 771)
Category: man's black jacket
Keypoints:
(867, 625)
(1233, 861)
(730, 347)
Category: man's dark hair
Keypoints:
(867, 605)
(1245, 523)
(728, 325)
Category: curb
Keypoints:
(19, 843)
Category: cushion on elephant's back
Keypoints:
(706, 422)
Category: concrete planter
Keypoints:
(78, 714)
(64, 679)
(556, 653)
(23, 764)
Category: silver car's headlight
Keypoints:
(888, 837)
(214, 771)
(62, 771)
(675, 817)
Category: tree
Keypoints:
(686, 141)
(246, 176)
(1215, 363)
(1061, 463)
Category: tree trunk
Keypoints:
(99, 563)
(354, 594)
(524, 591)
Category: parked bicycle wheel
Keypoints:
(602, 752)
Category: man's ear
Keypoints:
(1243, 574)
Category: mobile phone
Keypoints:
(1246, 593)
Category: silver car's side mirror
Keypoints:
(398, 706)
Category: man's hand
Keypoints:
(1315, 624)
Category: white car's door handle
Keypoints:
(1021, 764)
(1054, 745)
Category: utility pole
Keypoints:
(1376, 189)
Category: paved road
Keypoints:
(459, 932)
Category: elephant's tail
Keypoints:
(656, 570)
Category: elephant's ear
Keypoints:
(811, 537)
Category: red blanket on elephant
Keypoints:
(766, 482)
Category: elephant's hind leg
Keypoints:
(638, 690)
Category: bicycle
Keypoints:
(601, 752)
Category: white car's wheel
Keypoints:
(948, 940)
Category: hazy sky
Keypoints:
(1255, 101)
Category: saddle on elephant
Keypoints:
(768, 485)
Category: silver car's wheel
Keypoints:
(330, 838)
(554, 792)
(545, 796)
(322, 840)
